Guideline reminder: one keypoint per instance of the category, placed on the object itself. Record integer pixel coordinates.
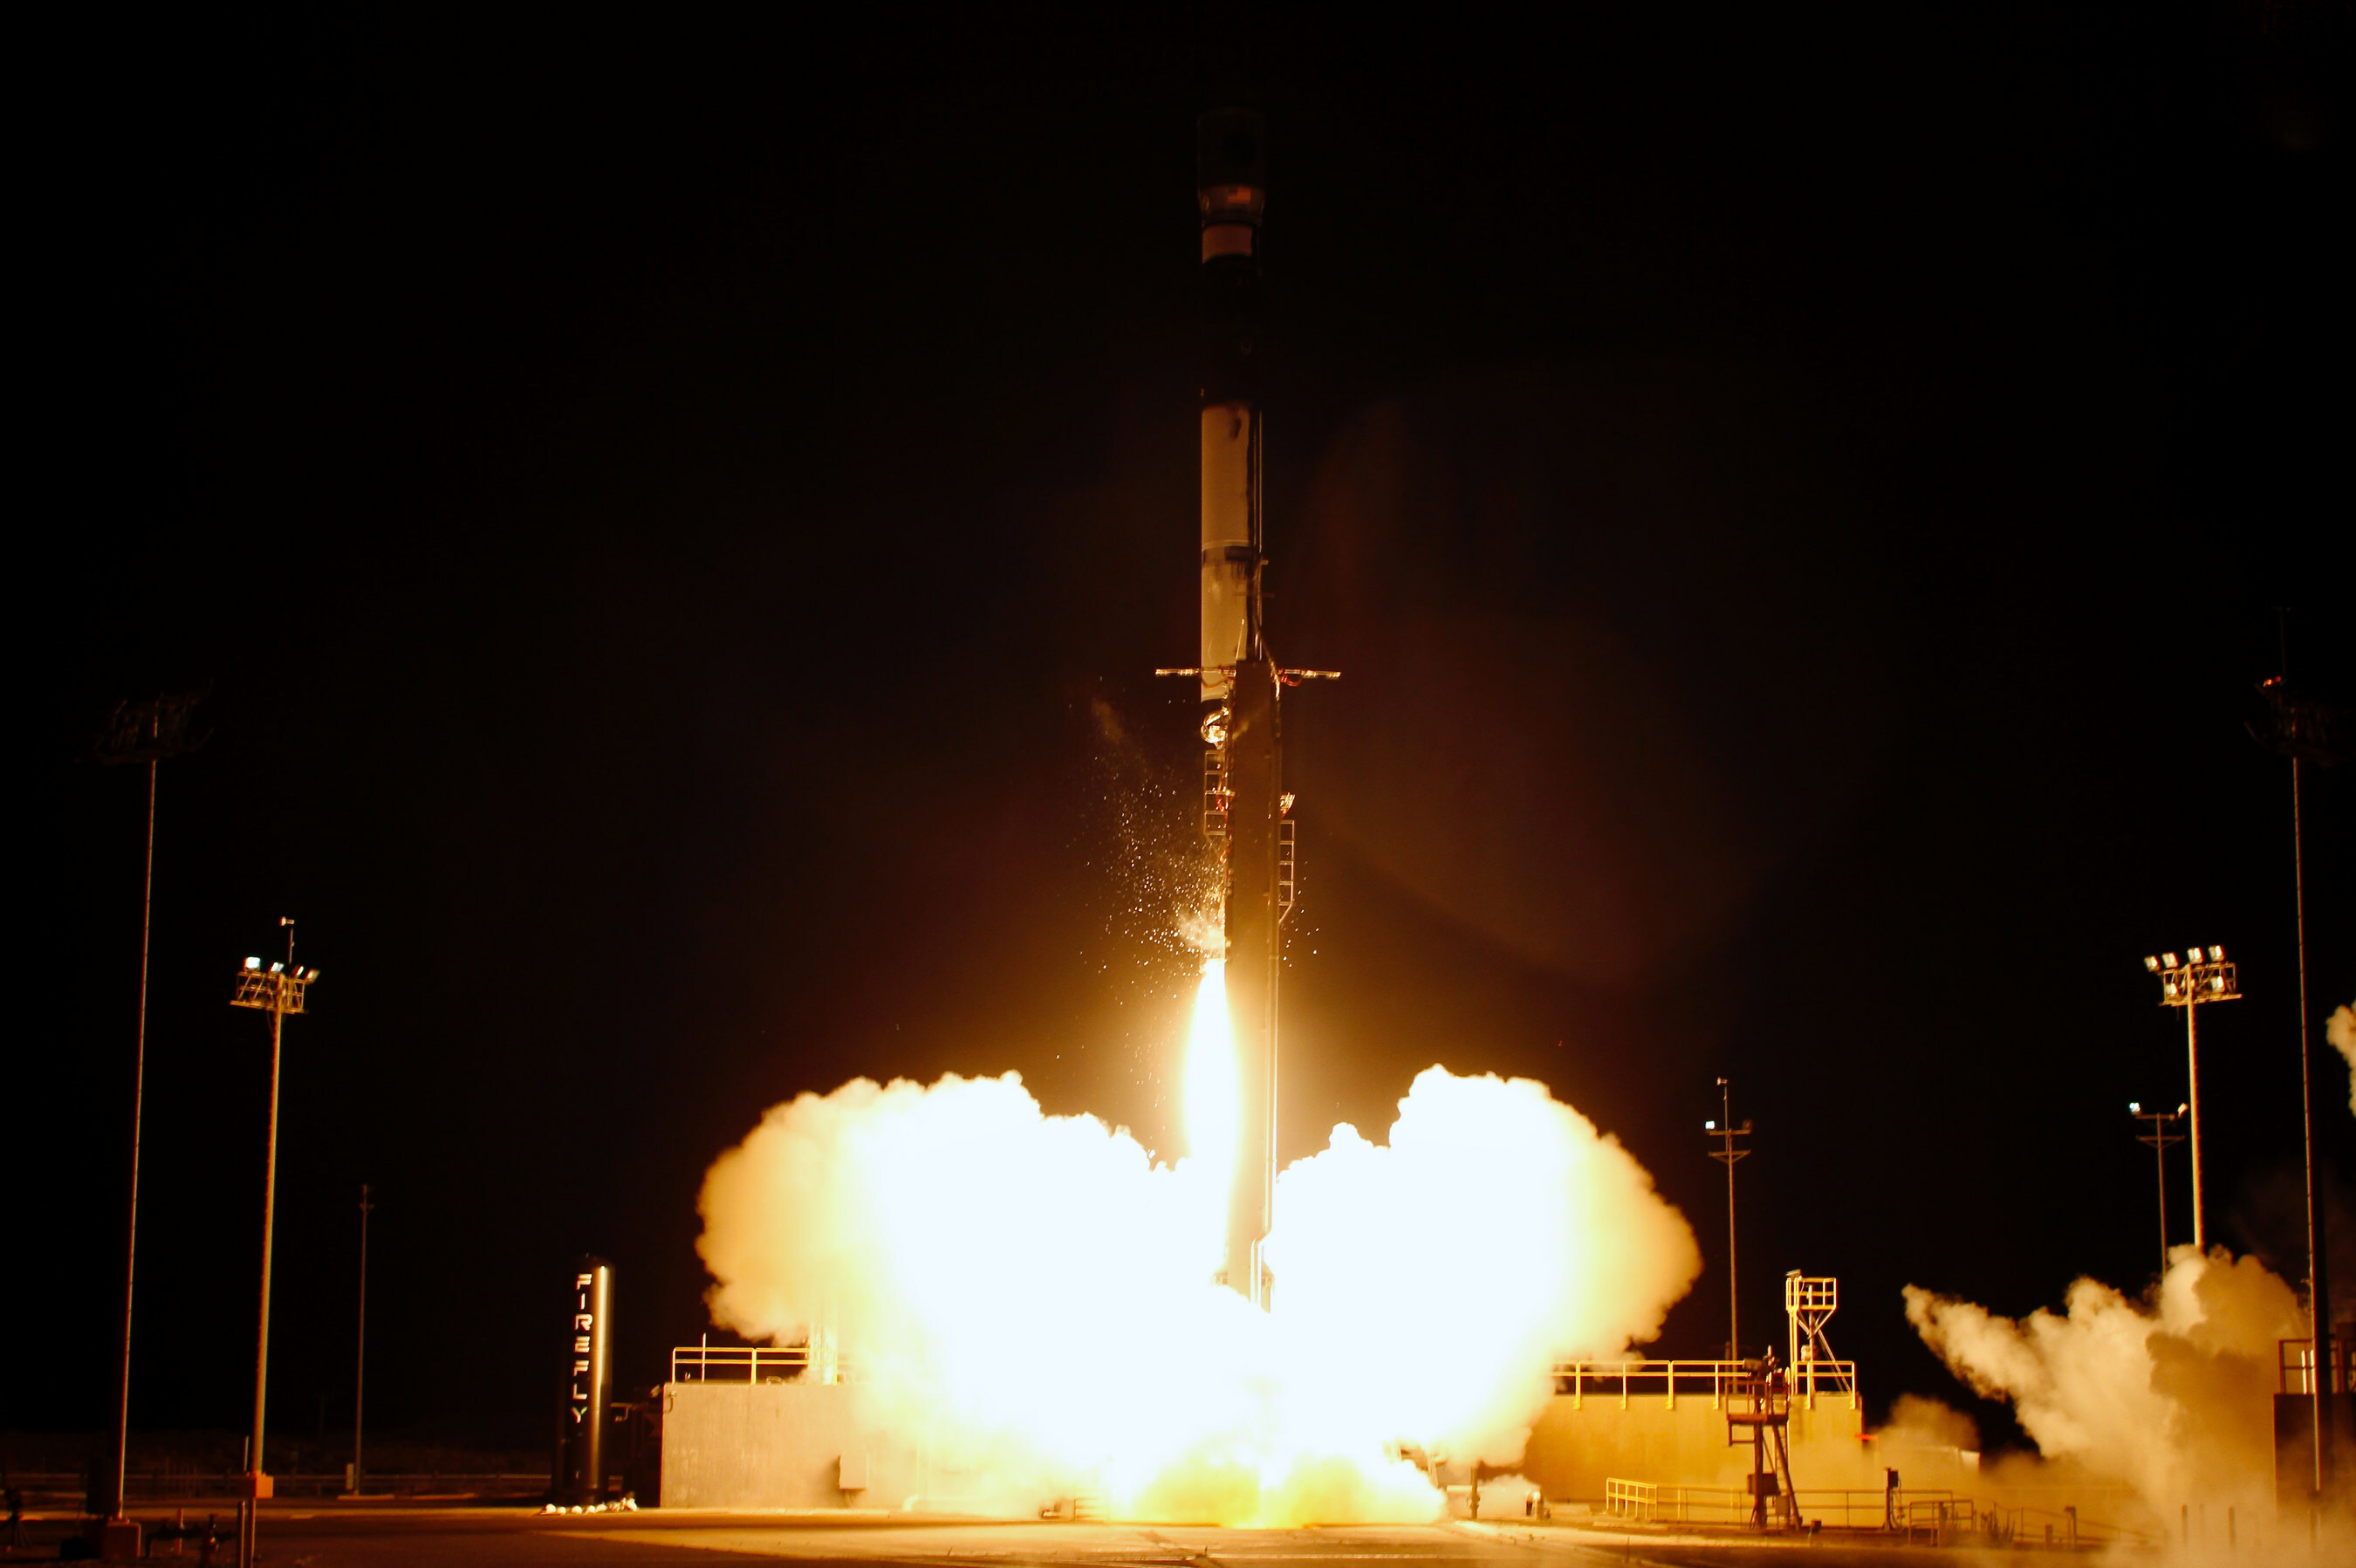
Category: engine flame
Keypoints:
(1210, 1104)
(1036, 1291)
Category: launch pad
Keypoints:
(515, 1538)
(747, 1427)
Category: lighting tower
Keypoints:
(2300, 728)
(1725, 1131)
(2203, 977)
(359, 1341)
(144, 732)
(278, 991)
(2160, 1141)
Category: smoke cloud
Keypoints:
(2170, 1396)
(1041, 1284)
(2340, 1030)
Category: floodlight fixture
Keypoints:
(2151, 963)
(253, 964)
(2204, 977)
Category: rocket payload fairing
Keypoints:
(1245, 809)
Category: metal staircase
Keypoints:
(1759, 1411)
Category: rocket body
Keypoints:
(1230, 175)
(1240, 685)
(1230, 540)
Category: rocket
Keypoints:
(1246, 811)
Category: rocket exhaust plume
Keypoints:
(1211, 1074)
(2340, 1030)
(1040, 1289)
(2171, 1396)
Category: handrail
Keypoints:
(757, 1364)
(1718, 1379)
(2295, 1365)
(1645, 1502)
(738, 1363)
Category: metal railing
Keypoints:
(1720, 1381)
(739, 1363)
(2295, 1365)
(1929, 1514)
(45, 1488)
(1646, 1503)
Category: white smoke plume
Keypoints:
(2171, 1396)
(2340, 1030)
(1041, 1284)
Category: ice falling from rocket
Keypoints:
(1245, 809)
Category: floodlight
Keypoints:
(253, 964)
(277, 969)
(2136, 1106)
(2216, 955)
(2168, 960)
(1709, 1126)
(2151, 963)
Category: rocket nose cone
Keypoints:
(1230, 149)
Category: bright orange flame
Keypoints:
(1211, 1110)
(1034, 1294)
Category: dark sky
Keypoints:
(677, 518)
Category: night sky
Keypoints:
(678, 520)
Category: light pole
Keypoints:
(146, 732)
(2160, 1140)
(360, 1346)
(2203, 977)
(1725, 1131)
(277, 991)
(2300, 728)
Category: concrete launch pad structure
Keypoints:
(747, 1427)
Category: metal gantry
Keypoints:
(2203, 977)
(278, 990)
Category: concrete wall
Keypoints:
(1578, 1444)
(794, 1445)
(782, 1446)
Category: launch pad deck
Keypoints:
(516, 1538)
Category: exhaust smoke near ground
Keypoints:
(2340, 1030)
(1041, 1286)
(2170, 1396)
